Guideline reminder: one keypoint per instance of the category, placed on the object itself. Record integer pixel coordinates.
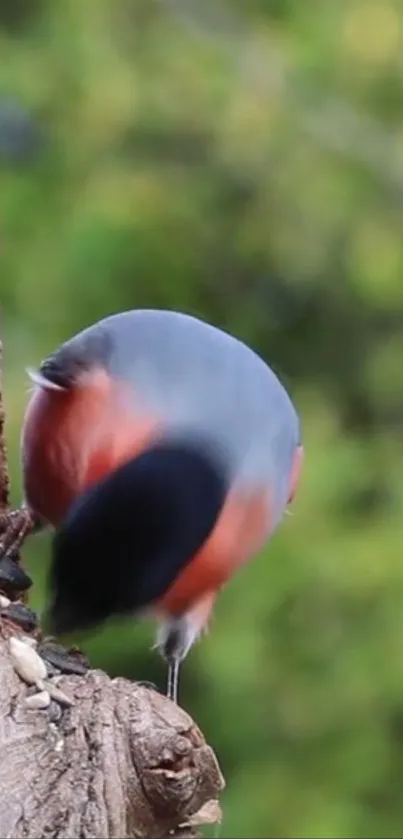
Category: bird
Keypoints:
(163, 452)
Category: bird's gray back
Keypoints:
(203, 381)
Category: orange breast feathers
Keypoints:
(241, 530)
(238, 534)
(72, 438)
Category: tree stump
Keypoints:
(123, 761)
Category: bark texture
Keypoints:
(122, 761)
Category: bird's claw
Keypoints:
(149, 685)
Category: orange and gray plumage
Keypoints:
(164, 452)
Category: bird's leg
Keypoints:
(173, 678)
(176, 635)
(174, 638)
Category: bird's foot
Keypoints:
(148, 685)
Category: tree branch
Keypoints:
(4, 479)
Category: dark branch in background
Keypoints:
(82, 754)
(14, 525)
(5, 478)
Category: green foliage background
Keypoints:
(243, 162)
